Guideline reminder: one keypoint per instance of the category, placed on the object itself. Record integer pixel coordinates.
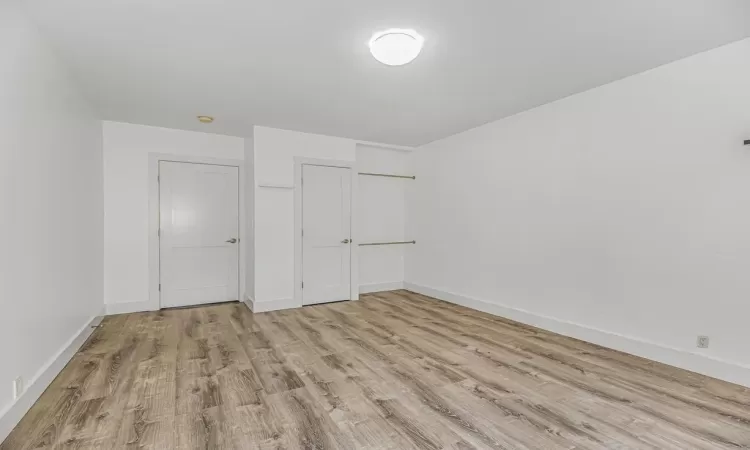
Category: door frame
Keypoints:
(353, 249)
(154, 272)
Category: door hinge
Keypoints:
(303, 285)
(158, 178)
(303, 232)
(159, 287)
(158, 232)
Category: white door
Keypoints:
(199, 233)
(326, 234)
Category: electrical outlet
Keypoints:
(17, 387)
(702, 341)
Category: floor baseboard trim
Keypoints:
(131, 307)
(248, 301)
(271, 305)
(12, 415)
(713, 367)
(380, 287)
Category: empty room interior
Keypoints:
(334, 224)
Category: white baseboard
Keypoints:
(248, 301)
(706, 365)
(130, 307)
(380, 287)
(14, 412)
(290, 303)
(271, 305)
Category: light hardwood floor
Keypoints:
(393, 371)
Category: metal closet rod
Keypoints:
(369, 174)
(387, 243)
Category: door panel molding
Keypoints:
(354, 249)
(199, 255)
(326, 239)
(153, 303)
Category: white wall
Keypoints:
(381, 217)
(269, 224)
(274, 209)
(275, 151)
(249, 217)
(51, 203)
(126, 201)
(625, 209)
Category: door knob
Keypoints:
(232, 241)
(345, 241)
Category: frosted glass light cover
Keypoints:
(396, 47)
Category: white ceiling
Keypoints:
(304, 64)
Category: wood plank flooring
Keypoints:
(393, 371)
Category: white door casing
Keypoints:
(199, 233)
(326, 233)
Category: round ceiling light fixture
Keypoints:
(205, 119)
(396, 47)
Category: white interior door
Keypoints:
(326, 234)
(199, 233)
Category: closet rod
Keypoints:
(387, 175)
(387, 243)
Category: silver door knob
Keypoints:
(345, 241)
(232, 241)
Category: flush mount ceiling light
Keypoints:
(205, 119)
(396, 47)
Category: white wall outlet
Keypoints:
(17, 387)
(702, 341)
